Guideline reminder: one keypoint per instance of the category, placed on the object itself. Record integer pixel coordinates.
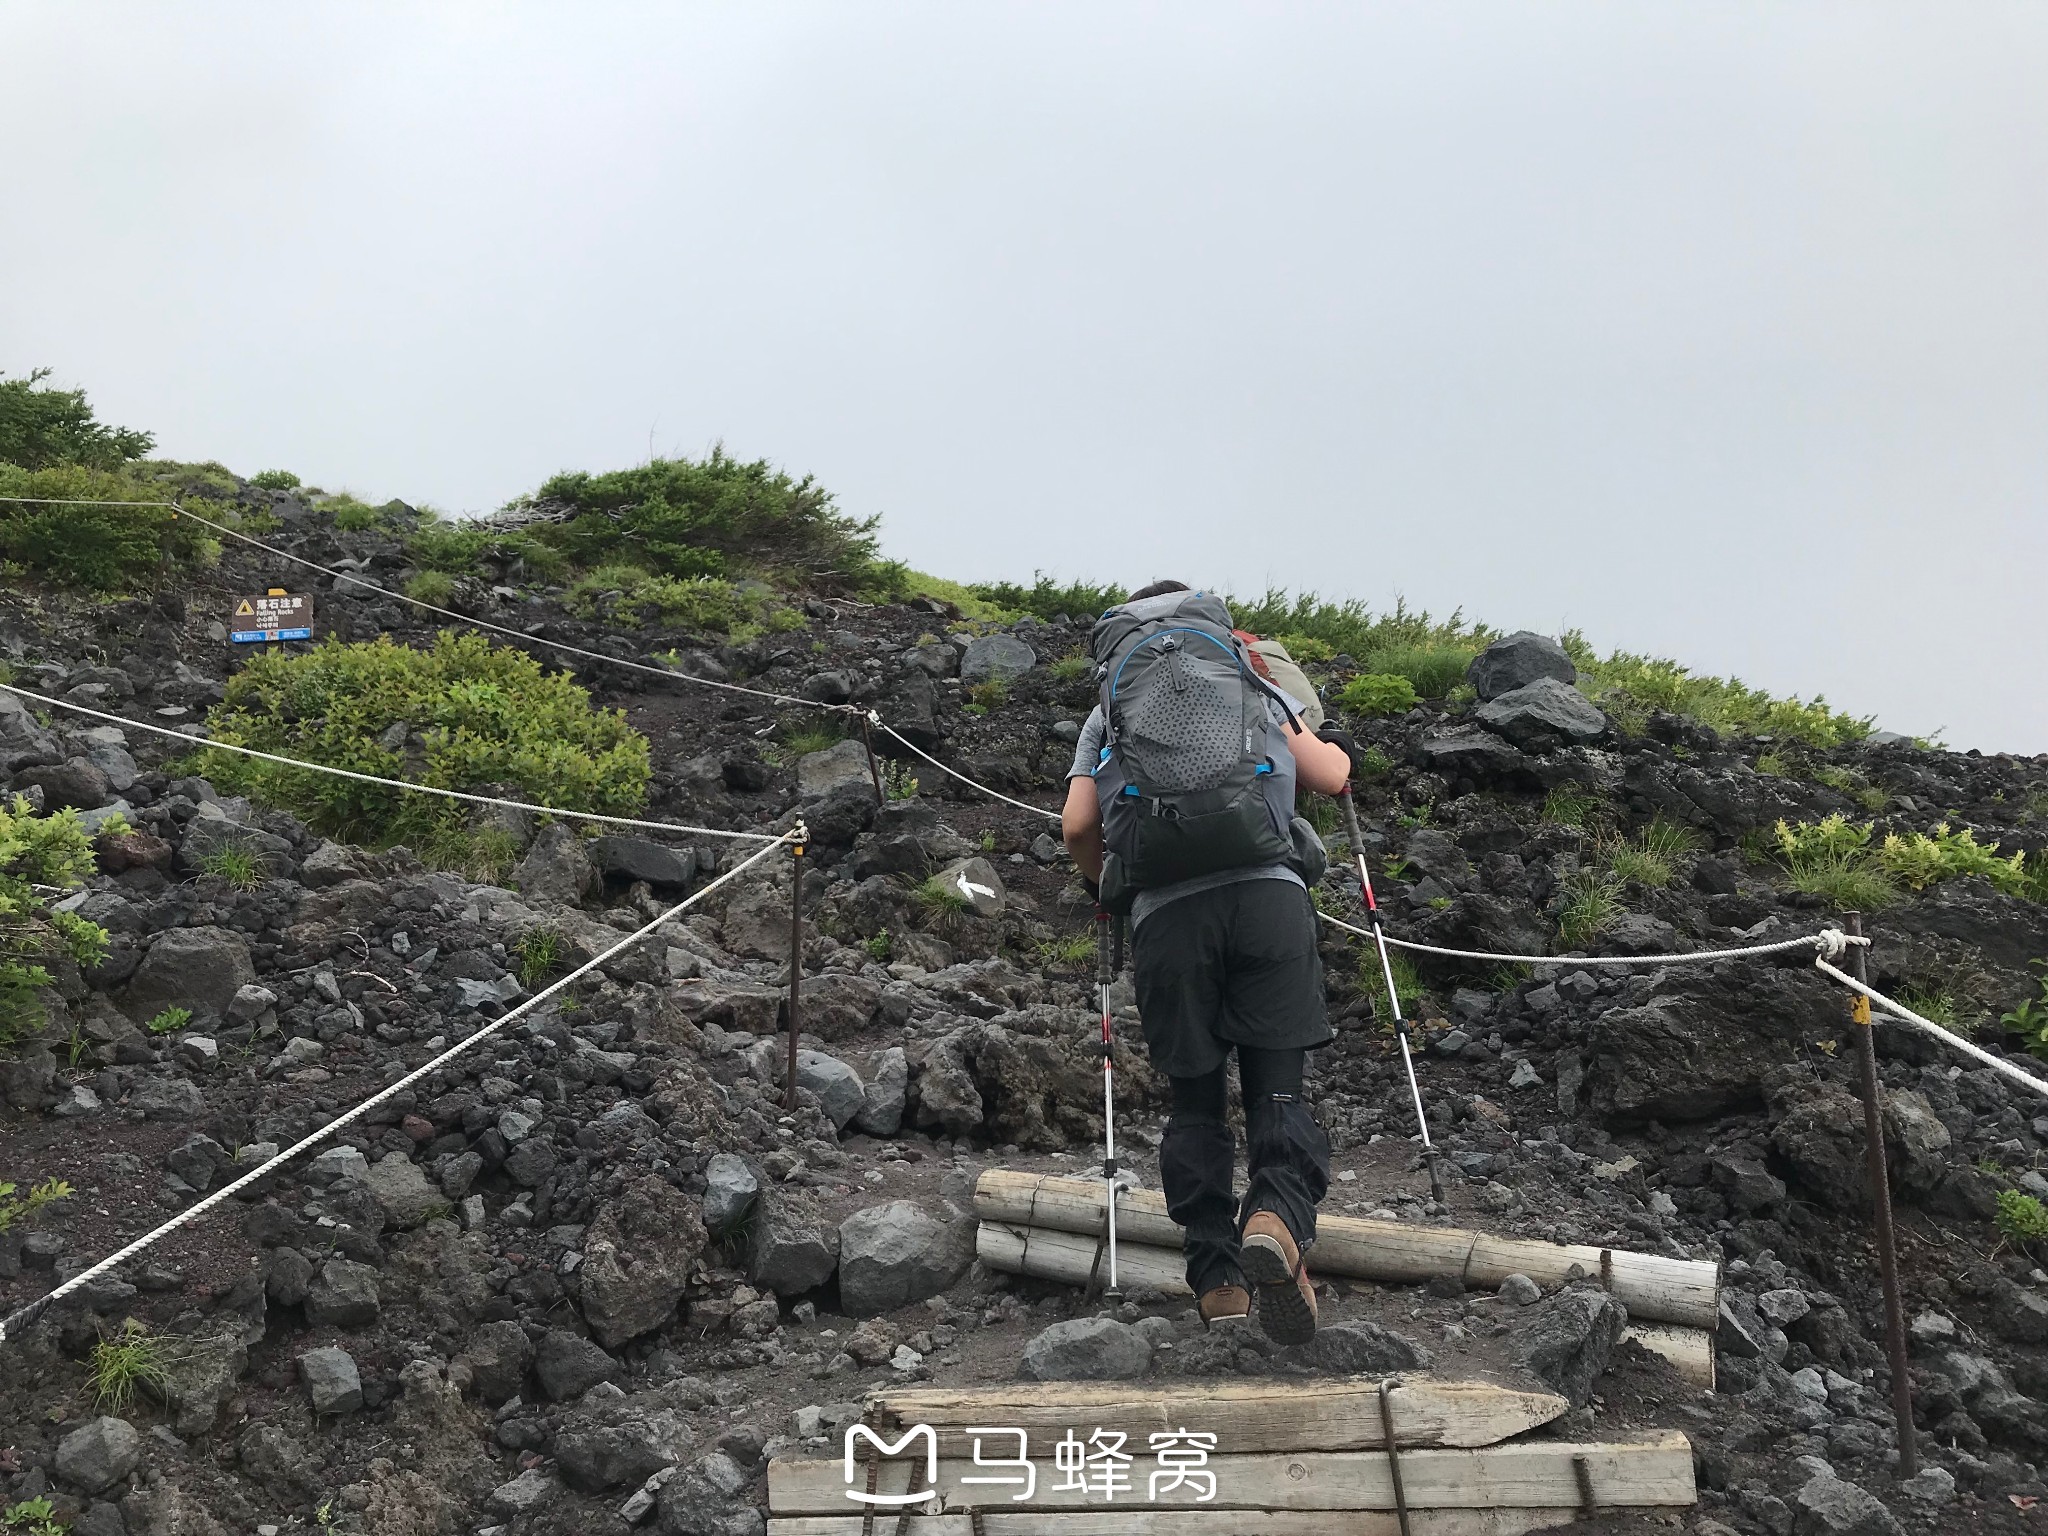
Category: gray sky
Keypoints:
(1720, 332)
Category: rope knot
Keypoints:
(1832, 943)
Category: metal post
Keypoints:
(1105, 978)
(1881, 1202)
(867, 739)
(796, 966)
(1372, 912)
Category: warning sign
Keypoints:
(278, 615)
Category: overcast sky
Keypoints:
(1719, 332)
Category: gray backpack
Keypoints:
(1195, 776)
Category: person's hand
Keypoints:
(1343, 740)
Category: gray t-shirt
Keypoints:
(1088, 757)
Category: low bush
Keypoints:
(459, 547)
(169, 1022)
(1831, 858)
(1434, 669)
(16, 1207)
(1623, 679)
(1374, 693)
(32, 1517)
(40, 855)
(1048, 599)
(708, 603)
(715, 516)
(1842, 860)
(275, 480)
(2021, 1218)
(108, 548)
(1351, 629)
(436, 587)
(461, 715)
(1917, 859)
(1071, 669)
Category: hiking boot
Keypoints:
(1274, 1263)
(1225, 1304)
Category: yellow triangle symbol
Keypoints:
(243, 608)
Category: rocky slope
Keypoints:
(591, 1274)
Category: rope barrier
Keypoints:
(11, 1324)
(1906, 1015)
(446, 613)
(875, 719)
(371, 778)
(1829, 941)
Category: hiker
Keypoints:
(1216, 879)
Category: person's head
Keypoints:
(1157, 589)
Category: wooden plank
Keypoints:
(1653, 1287)
(1067, 1257)
(1117, 1521)
(1317, 1414)
(1653, 1471)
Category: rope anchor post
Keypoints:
(796, 961)
(1881, 1201)
(1372, 910)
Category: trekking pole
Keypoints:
(1372, 913)
(1105, 976)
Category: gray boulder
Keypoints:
(75, 784)
(333, 1383)
(888, 1090)
(1466, 751)
(97, 1455)
(844, 762)
(202, 1373)
(569, 1365)
(640, 858)
(343, 1295)
(939, 659)
(730, 1189)
(197, 968)
(1361, 1348)
(976, 882)
(709, 1497)
(1517, 661)
(637, 1259)
(496, 1357)
(400, 1186)
(1543, 715)
(207, 836)
(995, 658)
(1087, 1349)
(1567, 1342)
(1828, 1505)
(789, 1251)
(837, 1085)
(895, 1254)
(556, 868)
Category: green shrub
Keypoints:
(170, 1021)
(941, 907)
(1917, 859)
(1351, 629)
(1377, 693)
(1075, 952)
(40, 428)
(1592, 901)
(98, 548)
(124, 1366)
(1831, 858)
(461, 715)
(1650, 858)
(275, 480)
(353, 516)
(39, 854)
(1434, 669)
(2021, 1218)
(1623, 679)
(628, 593)
(993, 694)
(1307, 650)
(539, 953)
(712, 517)
(907, 584)
(19, 1208)
(1374, 764)
(1071, 669)
(238, 864)
(1049, 599)
(459, 547)
(1372, 980)
(880, 947)
(800, 738)
(32, 1517)
(1569, 805)
(436, 587)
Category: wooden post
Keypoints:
(1881, 1202)
(796, 966)
(867, 739)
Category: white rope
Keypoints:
(1906, 1015)
(875, 719)
(371, 778)
(192, 1213)
(446, 613)
(1829, 941)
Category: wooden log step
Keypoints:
(1117, 1521)
(1068, 1257)
(1653, 1287)
(1319, 1414)
(1655, 1470)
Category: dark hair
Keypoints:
(1157, 589)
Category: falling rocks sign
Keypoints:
(278, 615)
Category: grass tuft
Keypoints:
(238, 864)
(1569, 805)
(1592, 901)
(124, 1366)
